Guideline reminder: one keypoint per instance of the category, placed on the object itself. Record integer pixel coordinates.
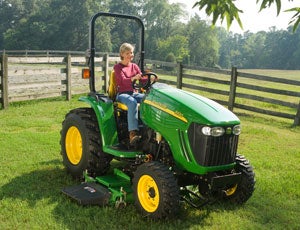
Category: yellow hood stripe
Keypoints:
(165, 109)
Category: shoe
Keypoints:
(133, 137)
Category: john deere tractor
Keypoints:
(187, 151)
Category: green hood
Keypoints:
(189, 107)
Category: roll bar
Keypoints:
(92, 42)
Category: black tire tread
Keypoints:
(98, 162)
(246, 186)
(168, 189)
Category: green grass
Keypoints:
(32, 176)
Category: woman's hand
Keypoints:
(136, 77)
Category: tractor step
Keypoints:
(120, 151)
(89, 193)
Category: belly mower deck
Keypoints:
(103, 190)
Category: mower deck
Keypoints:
(89, 193)
(103, 190)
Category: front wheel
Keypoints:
(241, 192)
(155, 190)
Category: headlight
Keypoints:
(214, 131)
(237, 130)
(217, 131)
(206, 130)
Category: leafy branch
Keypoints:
(221, 9)
(226, 9)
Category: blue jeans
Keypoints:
(131, 100)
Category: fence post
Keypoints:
(69, 77)
(179, 75)
(297, 117)
(232, 92)
(4, 81)
(105, 70)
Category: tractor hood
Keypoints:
(169, 102)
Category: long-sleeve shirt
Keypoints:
(124, 74)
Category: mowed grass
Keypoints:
(32, 176)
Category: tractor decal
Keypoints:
(162, 107)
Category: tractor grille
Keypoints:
(212, 151)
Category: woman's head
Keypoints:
(126, 51)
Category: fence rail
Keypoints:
(46, 74)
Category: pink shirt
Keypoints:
(124, 74)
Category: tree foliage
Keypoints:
(54, 24)
(220, 9)
(275, 49)
(203, 43)
(178, 44)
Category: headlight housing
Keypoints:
(213, 131)
(219, 131)
(237, 129)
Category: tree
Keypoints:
(294, 42)
(226, 9)
(11, 13)
(161, 21)
(226, 47)
(253, 50)
(54, 24)
(280, 47)
(177, 45)
(203, 43)
(124, 30)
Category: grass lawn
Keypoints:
(32, 177)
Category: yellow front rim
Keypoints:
(148, 193)
(231, 190)
(74, 145)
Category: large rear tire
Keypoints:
(242, 191)
(81, 145)
(155, 190)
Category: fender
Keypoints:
(103, 108)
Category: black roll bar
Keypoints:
(92, 42)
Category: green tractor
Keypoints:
(188, 149)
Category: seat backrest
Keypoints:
(112, 88)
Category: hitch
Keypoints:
(193, 199)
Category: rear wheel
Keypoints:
(81, 146)
(155, 190)
(241, 192)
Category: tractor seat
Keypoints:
(112, 92)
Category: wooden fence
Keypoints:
(30, 76)
(35, 77)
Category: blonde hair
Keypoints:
(125, 47)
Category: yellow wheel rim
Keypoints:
(74, 145)
(148, 193)
(231, 190)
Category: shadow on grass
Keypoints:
(36, 185)
(47, 184)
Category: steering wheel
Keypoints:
(139, 85)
